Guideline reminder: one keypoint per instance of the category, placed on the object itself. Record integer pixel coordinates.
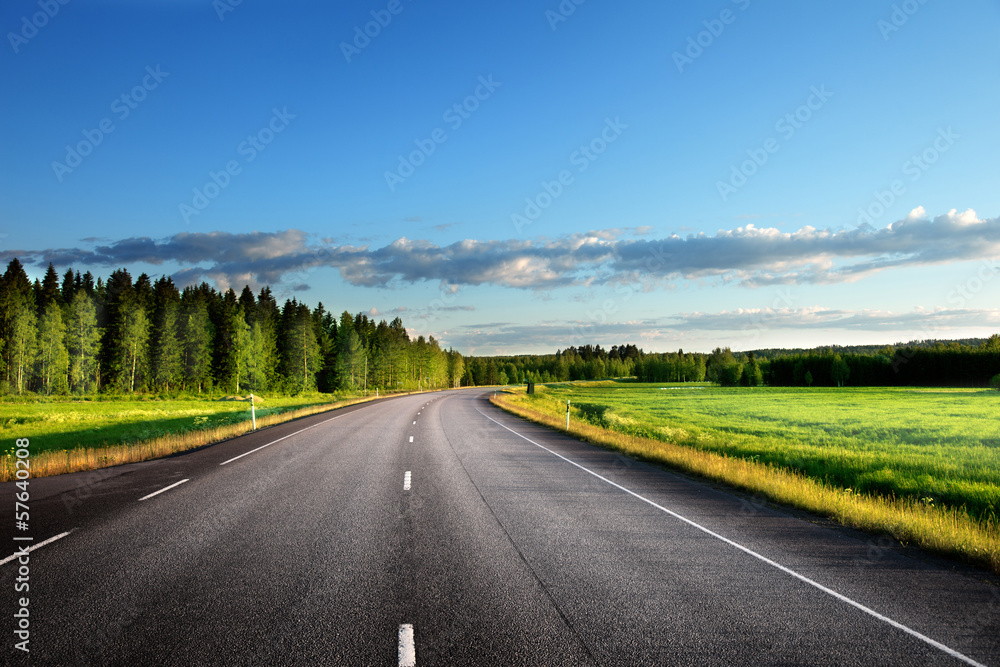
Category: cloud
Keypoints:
(748, 255)
(830, 318)
(743, 329)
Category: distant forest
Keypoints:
(971, 363)
(77, 335)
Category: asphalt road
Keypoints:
(484, 539)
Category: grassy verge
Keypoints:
(146, 430)
(941, 530)
(936, 446)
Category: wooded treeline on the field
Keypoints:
(944, 364)
(77, 335)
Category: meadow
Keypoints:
(922, 451)
(70, 434)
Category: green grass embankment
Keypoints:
(770, 450)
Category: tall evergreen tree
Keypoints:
(302, 354)
(114, 298)
(49, 291)
(70, 285)
(166, 351)
(267, 315)
(196, 340)
(17, 326)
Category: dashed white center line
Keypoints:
(414, 421)
(166, 488)
(406, 481)
(407, 651)
(411, 438)
(34, 546)
(273, 442)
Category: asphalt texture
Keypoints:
(513, 545)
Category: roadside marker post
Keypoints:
(567, 414)
(253, 413)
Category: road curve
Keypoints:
(434, 529)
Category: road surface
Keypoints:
(436, 530)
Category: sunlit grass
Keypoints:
(715, 436)
(70, 436)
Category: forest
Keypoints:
(77, 335)
(968, 363)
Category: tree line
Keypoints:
(940, 364)
(966, 363)
(77, 335)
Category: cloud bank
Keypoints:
(749, 256)
(743, 329)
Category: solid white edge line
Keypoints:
(857, 605)
(35, 546)
(156, 493)
(280, 439)
(407, 651)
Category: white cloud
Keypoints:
(747, 255)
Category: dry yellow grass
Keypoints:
(939, 530)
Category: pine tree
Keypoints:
(49, 291)
(350, 360)
(166, 351)
(267, 316)
(113, 298)
(70, 284)
(302, 354)
(17, 325)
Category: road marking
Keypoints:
(35, 546)
(843, 598)
(407, 651)
(280, 439)
(411, 438)
(156, 493)
(406, 481)
(414, 421)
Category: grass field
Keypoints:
(921, 464)
(70, 424)
(81, 434)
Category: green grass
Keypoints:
(72, 424)
(944, 530)
(70, 435)
(938, 447)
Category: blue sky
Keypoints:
(520, 177)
